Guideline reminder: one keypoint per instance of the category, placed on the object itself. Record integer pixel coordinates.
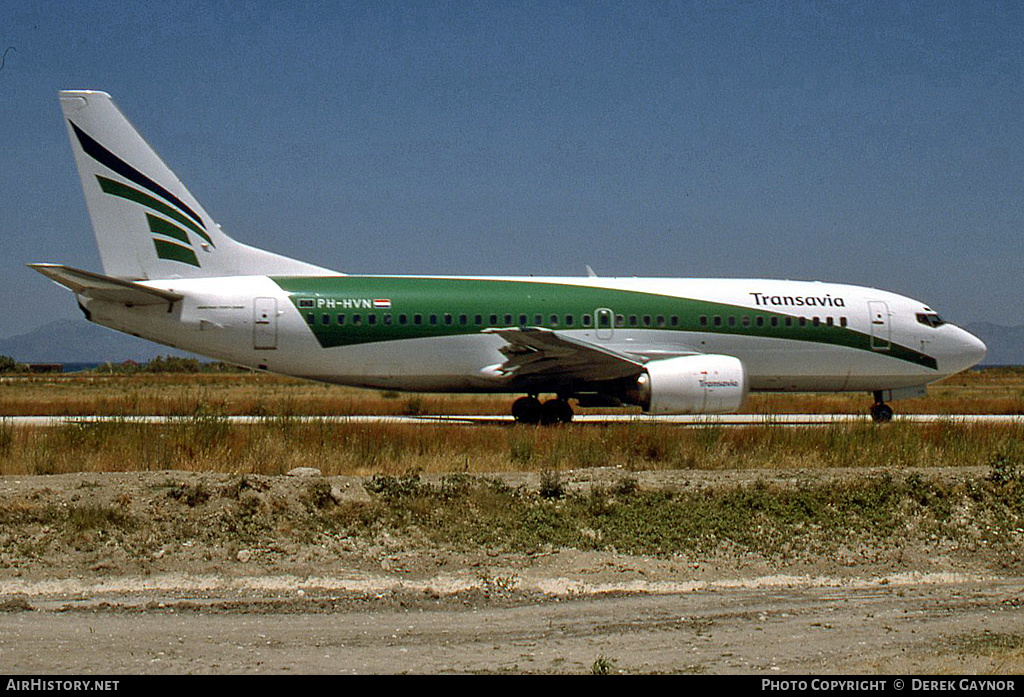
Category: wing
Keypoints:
(537, 354)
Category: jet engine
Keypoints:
(699, 384)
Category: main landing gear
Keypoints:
(880, 411)
(530, 410)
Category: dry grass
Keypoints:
(201, 439)
(985, 391)
(229, 393)
(206, 442)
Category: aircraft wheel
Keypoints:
(556, 411)
(881, 412)
(527, 410)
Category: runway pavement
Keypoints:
(499, 419)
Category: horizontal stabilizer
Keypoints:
(100, 287)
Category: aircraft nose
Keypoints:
(972, 350)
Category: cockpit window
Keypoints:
(930, 319)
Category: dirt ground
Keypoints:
(177, 594)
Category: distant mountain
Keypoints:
(79, 341)
(1005, 344)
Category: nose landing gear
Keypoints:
(880, 411)
(529, 410)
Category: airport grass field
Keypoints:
(200, 438)
(528, 513)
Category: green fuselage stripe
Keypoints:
(456, 303)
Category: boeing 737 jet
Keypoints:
(671, 346)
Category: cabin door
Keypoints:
(264, 323)
(881, 338)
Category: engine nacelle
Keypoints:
(701, 384)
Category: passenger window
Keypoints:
(703, 320)
(447, 318)
(789, 321)
(647, 320)
(660, 320)
(760, 321)
(554, 320)
(387, 318)
(326, 319)
(522, 320)
(508, 320)
(620, 320)
(745, 321)
(732, 320)
(494, 320)
(463, 319)
(816, 321)
(433, 319)
(402, 319)
(842, 321)
(417, 319)
(775, 321)
(718, 320)
(828, 321)
(479, 320)
(674, 320)
(341, 319)
(357, 319)
(633, 320)
(538, 320)
(310, 318)
(568, 320)
(586, 320)
(371, 319)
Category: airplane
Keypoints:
(668, 345)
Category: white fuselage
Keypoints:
(252, 321)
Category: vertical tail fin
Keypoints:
(146, 222)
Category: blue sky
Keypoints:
(871, 143)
